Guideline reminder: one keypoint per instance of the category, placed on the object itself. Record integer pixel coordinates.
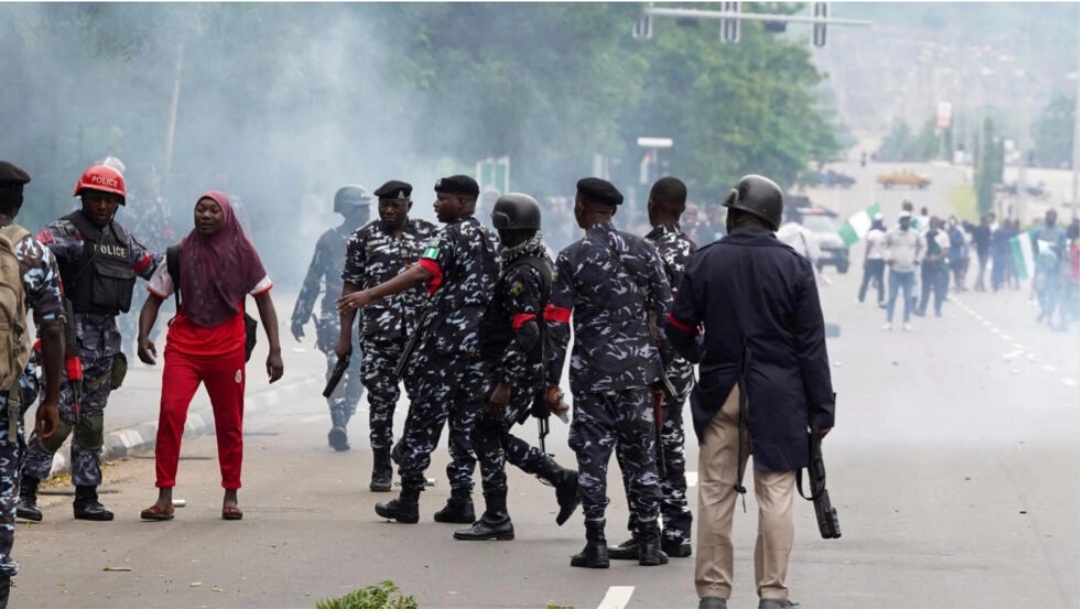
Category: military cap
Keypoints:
(457, 185)
(599, 191)
(12, 176)
(394, 189)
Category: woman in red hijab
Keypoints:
(218, 268)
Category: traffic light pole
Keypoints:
(731, 16)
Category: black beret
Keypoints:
(12, 176)
(394, 189)
(599, 191)
(457, 185)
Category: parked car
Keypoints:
(1038, 191)
(833, 250)
(903, 178)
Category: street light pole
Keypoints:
(1076, 147)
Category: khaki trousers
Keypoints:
(774, 491)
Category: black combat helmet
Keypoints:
(758, 196)
(351, 196)
(515, 211)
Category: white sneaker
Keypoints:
(887, 327)
(908, 327)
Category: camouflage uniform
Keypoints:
(614, 361)
(521, 294)
(447, 365)
(374, 256)
(324, 275)
(674, 248)
(98, 340)
(41, 281)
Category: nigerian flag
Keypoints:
(858, 224)
(1022, 255)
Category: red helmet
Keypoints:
(101, 177)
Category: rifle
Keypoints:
(658, 413)
(414, 340)
(335, 377)
(827, 519)
(72, 362)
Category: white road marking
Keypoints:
(617, 597)
(691, 479)
(995, 330)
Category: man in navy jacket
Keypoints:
(764, 382)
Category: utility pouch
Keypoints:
(119, 371)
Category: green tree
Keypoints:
(731, 109)
(1053, 133)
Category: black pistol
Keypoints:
(335, 377)
(827, 519)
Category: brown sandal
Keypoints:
(231, 512)
(154, 513)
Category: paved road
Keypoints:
(954, 465)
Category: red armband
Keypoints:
(555, 313)
(520, 319)
(432, 266)
(681, 326)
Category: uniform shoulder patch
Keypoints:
(431, 252)
(517, 289)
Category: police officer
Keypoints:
(40, 290)
(511, 345)
(324, 275)
(376, 253)
(667, 201)
(98, 261)
(459, 268)
(613, 282)
(764, 383)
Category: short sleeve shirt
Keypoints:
(189, 338)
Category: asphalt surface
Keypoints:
(954, 466)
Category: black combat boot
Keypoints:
(627, 550)
(459, 508)
(338, 437)
(649, 552)
(28, 509)
(494, 524)
(675, 547)
(5, 590)
(87, 506)
(381, 472)
(404, 509)
(594, 555)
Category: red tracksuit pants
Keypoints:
(224, 377)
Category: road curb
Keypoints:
(143, 437)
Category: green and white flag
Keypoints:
(856, 227)
(1022, 255)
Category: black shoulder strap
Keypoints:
(172, 264)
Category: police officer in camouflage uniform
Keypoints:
(511, 345)
(667, 201)
(40, 291)
(459, 268)
(613, 282)
(376, 253)
(324, 275)
(98, 261)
